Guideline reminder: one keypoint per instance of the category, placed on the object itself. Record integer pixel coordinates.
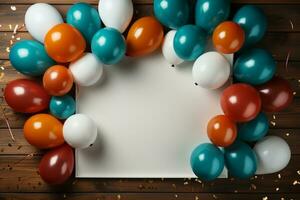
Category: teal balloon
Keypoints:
(255, 129)
(190, 42)
(254, 22)
(30, 58)
(210, 13)
(207, 161)
(84, 18)
(109, 46)
(240, 160)
(254, 66)
(172, 13)
(62, 107)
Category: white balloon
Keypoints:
(273, 154)
(211, 70)
(168, 49)
(40, 18)
(80, 131)
(116, 13)
(86, 70)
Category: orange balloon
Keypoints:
(221, 131)
(43, 131)
(144, 37)
(64, 43)
(58, 80)
(228, 37)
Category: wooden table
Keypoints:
(19, 178)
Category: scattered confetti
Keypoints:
(176, 195)
(273, 123)
(214, 196)
(265, 198)
(253, 186)
(296, 182)
(279, 176)
(119, 196)
(186, 183)
(298, 172)
(287, 60)
(196, 198)
(274, 117)
(287, 134)
(277, 189)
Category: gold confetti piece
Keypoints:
(18, 38)
(15, 29)
(186, 183)
(196, 198)
(174, 185)
(7, 49)
(273, 123)
(294, 93)
(281, 198)
(274, 117)
(265, 198)
(176, 195)
(298, 172)
(296, 182)
(119, 196)
(253, 186)
(13, 8)
(279, 176)
(214, 196)
(287, 134)
(292, 25)
(10, 27)
(3, 68)
(277, 189)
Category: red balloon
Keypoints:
(276, 95)
(57, 165)
(26, 96)
(240, 102)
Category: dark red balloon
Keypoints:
(240, 102)
(57, 165)
(26, 96)
(276, 95)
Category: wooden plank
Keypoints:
(21, 147)
(147, 1)
(19, 174)
(144, 196)
(280, 44)
(279, 17)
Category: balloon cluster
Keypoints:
(59, 55)
(256, 90)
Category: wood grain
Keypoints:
(279, 17)
(19, 178)
(19, 174)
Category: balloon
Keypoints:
(211, 70)
(190, 42)
(109, 46)
(30, 58)
(86, 70)
(64, 43)
(43, 131)
(62, 107)
(273, 155)
(40, 18)
(240, 102)
(255, 129)
(168, 49)
(210, 13)
(253, 21)
(240, 160)
(172, 14)
(116, 14)
(207, 162)
(57, 165)
(144, 37)
(80, 131)
(84, 18)
(255, 67)
(228, 37)
(58, 80)
(26, 96)
(276, 95)
(221, 131)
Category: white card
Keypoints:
(150, 117)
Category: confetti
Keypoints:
(273, 123)
(186, 183)
(298, 172)
(277, 189)
(196, 198)
(176, 195)
(296, 182)
(279, 176)
(119, 196)
(265, 198)
(274, 117)
(214, 196)
(13, 8)
(292, 25)
(287, 60)
(287, 134)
